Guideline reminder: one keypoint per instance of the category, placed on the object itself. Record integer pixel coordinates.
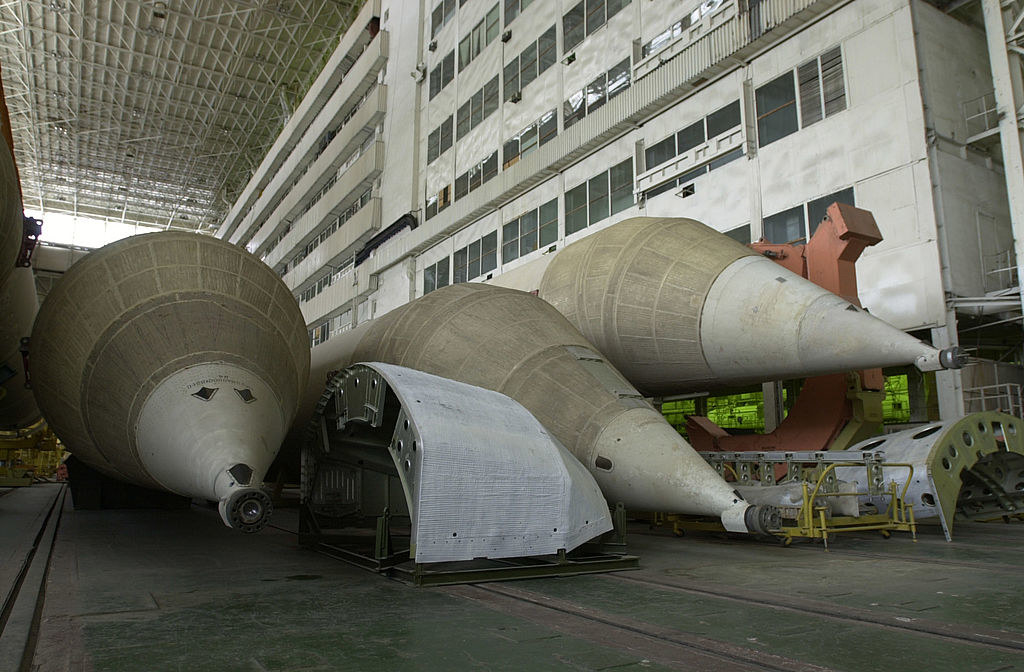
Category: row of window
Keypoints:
(530, 138)
(329, 229)
(440, 140)
(822, 94)
(605, 194)
(718, 122)
(586, 17)
(530, 231)
(605, 86)
(523, 143)
(535, 59)
(317, 287)
(663, 39)
(476, 176)
(480, 105)
(479, 37)
(538, 228)
(475, 259)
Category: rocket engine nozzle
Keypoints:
(247, 510)
(953, 357)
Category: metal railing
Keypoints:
(1004, 397)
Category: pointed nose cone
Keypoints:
(762, 322)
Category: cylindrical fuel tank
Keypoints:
(678, 306)
(516, 344)
(173, 361)
(18, 303)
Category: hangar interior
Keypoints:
(701, 319)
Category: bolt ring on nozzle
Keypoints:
(953, 357)
(248, 510)
(762, 519)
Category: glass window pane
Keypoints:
(576, 209)
(528, 243)
(493, 21)
(776, 109)
(597, 192)
(596, 93)
(433, 145)
(528, 140)
(817, 208)
(511, 10)
(573, 109)
(726, 158)
(547, 53)
(621, 178)
(490, 166)
(509, 250)
(446, 134)
(510, 152)
(548, 233)
(547, 127)
(786, 226)
(429, 279)
(462, 126)
(660, 152)
(618, 78)
(661, 188)
(528, 65)
(460, 261)
(724, 119)
(478, 108)
(489, 253)
(572, 27)
(528, 222)
(490, 97)
(511, 78)
(461, 185)
(690, 137)
(435, 80)
(442, 273)
(464, 55)
(595, 15)
(448, 69)
(510, 231)
(615, 5)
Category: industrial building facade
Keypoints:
(465, 140)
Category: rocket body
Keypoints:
(173, 361)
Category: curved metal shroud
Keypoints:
(479, 475)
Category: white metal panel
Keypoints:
(486, 479)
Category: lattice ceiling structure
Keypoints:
(155, 113)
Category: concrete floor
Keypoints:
(175, 590)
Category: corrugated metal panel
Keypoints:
(280, 196)
(340, 246)
(353, 284)
(345, 191)
(349, 47)
(352, 136)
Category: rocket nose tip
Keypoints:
(247, 510)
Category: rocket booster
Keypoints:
(18, 302)
(173, 361)
(677, 307)
(513, 343)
